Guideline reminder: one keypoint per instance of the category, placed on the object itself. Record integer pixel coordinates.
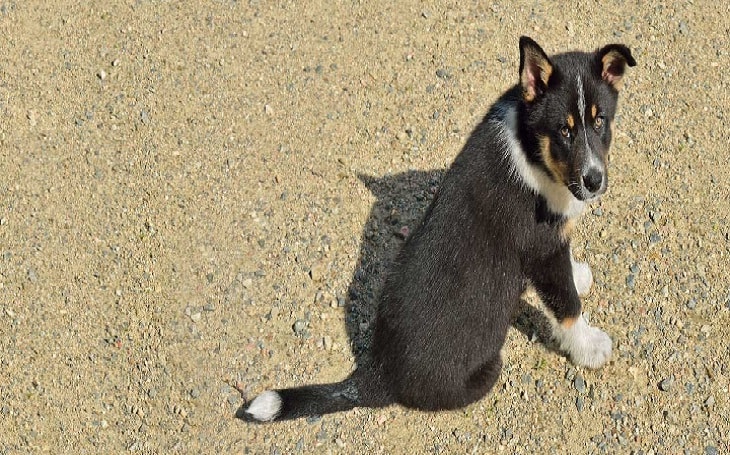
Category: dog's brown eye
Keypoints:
(565, 131)
(598, 122)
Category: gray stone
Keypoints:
(665, 385)
(300, 326)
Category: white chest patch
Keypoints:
(559, 198)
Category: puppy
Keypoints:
(501, 220)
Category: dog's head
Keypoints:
(569, 102)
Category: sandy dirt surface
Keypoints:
(201, 198)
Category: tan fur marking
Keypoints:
(558, 169)
(607, 59)
(546, 70)
(594, 111)
(567, 229)
(571, 121)
(528, 96)
(568, 322)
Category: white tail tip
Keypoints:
(265, 407)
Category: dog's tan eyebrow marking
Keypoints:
(571, 121)
(594, 111)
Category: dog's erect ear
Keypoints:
(611, 62)
(535, 69)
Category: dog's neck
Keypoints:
(558, 197)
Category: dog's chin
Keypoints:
(584, 196)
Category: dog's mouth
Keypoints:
(582, 193)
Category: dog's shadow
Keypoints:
(401, 202)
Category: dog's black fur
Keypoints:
(447, 301)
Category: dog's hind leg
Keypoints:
(482, 379)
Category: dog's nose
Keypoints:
(592, 180)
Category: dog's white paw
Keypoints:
(587, 346)
(582, 277)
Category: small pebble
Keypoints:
(665, 385)
(631, 281)
(579, 383)
(683, 28)
(570, 374)
(299, 326)
(321, 435)
(579, 404)
(442, 73)
(313, 419)
(404, 232)
(317, 271)
(617, 416)
(32, 275)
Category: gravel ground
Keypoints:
(199, 202)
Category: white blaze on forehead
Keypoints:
(593, 161)
(582, 110)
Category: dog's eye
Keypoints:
(565, 131)
(598, 123)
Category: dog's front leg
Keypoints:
(554, 278)
(582, 275)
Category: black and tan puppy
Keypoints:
(500, 221)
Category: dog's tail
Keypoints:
(311, 400)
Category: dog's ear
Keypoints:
(611, 63)
(535, 69)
